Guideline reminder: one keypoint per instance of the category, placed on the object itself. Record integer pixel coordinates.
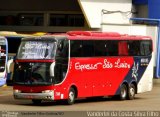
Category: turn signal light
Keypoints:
(17, 91)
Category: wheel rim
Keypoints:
(132, 91)
(123, 93)
(71, 96)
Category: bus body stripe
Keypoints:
(34, 61)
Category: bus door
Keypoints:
(61, 64)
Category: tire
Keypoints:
(36, 101)
(131, 92)
(123, 92)
(71, 96)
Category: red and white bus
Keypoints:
(82, 64)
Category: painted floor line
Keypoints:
(8, 94)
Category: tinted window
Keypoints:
(106, 48)
(82, 48)
(112, 48)
(140, 48)
(101, 48)
(76, 48)
(134, 48)
(146, 48)
(123, 48)
(62, 48)
(88, 48)
(13, 44)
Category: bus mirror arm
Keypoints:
(52, 79)
(52, 69)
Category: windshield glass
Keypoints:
(32, 74)
(37, 50)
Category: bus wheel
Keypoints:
(71, 96)
(123, 92)
(36, 101)
(131, 92)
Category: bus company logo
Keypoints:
(144, 61)
(106, 64)
(58, 94)
(135, 70)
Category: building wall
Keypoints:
(39, 5)
(92, 10)
(12, 11)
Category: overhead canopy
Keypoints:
(92, 10)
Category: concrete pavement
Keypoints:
(149, 101)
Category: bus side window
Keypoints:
(62, 49)
(61, 64)
(146, 48)
(112, 48)
(123, 48)
(88, 48)
(101, 48)
(134, 48)
(59, 48)
(76, 48)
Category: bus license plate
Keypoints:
(29, 96)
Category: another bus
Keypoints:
(82, 64)
(14, 39)
(3, 60)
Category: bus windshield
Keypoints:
(32, 74)
(37, 50)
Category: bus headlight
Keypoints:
(47, 91)
(17, 91)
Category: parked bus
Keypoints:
(3, 60)
(82, 64)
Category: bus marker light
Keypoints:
(47, 91)
(17, 91)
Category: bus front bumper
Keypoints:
(42, 96)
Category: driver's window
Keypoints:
(62, 49)
(61, 64)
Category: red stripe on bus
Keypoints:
(41, 61)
